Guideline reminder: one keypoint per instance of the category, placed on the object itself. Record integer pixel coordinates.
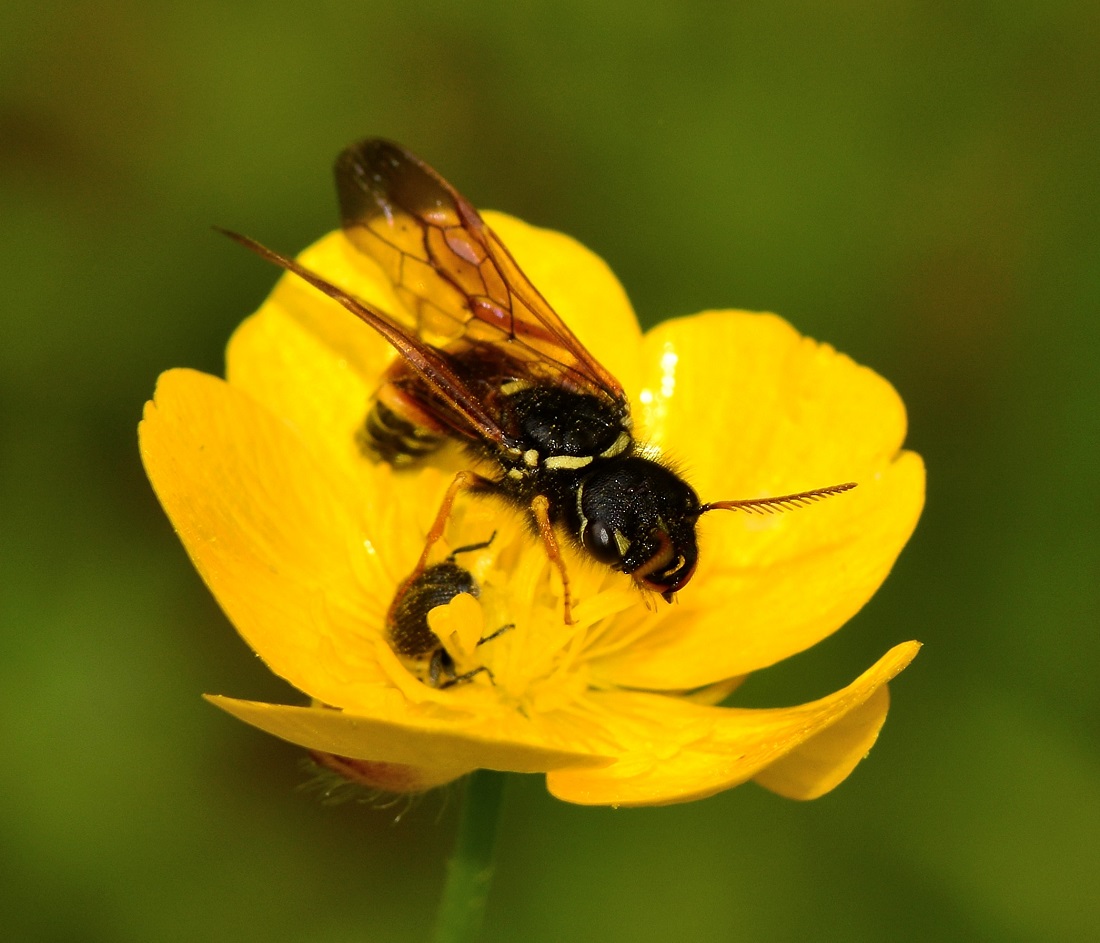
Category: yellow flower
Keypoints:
(304, 542)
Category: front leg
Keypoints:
(540, 508)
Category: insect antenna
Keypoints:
(786, 502)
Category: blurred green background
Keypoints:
(914, 182)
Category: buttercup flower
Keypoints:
(305, 541)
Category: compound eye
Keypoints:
(599, 541)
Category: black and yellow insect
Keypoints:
(407, 626)
(489, 363)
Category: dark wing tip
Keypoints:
(375, 177)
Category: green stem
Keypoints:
(470, 870)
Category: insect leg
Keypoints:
(468, 676)
(540, 507)
(469, 548)
(493, 635)
(440, 665)
(463, 481)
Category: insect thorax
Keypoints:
(558, 428)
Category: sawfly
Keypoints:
(486, 361)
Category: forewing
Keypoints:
(451, 271)
(457, 405)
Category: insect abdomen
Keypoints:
(389, 436)
(408, 627)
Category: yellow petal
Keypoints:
(441, 741)
(279, 364)
(785, 415)
(824, 761)
(271, 529)
(715, 693)
(675, 751)
(580, 288)
(307, 359)
(751, 404)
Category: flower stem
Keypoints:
(470, 870)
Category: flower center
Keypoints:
(514, 626)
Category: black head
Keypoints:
(638, 517)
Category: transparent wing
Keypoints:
(456, 404)
(452, 272)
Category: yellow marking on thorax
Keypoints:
(567, 461)
(515, 386)
(617, 447)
